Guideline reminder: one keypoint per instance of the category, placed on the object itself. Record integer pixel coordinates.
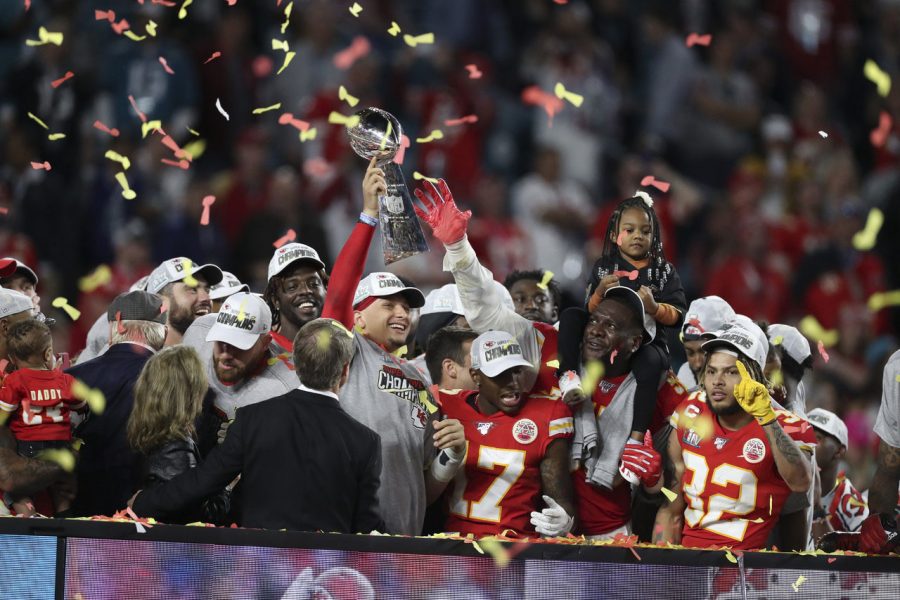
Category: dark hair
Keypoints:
(321, 349)
(268, 295)
(659, 268)
(446, 342)
(637, 324)
(27, 339)
(535, 275)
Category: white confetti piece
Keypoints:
(222, 110)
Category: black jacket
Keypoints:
(172, 459)
(305, 465)
(108, 470)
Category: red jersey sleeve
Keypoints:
(10, 394)
(560, 425)
(346, 275)
(798, 429)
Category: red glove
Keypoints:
(447, 222)
(642, 462)
(876, 534)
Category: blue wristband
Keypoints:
(370, 221)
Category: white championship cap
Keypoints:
(794, 343)
(241, 320)
(830, 423)
(382, 283)
(706, 315)
(172, 270)
(13, 303)
(741, 339)
(290, 253)
(496, 351)
(228, 286)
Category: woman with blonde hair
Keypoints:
(168, 397)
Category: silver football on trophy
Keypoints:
(376, 135)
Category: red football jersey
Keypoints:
(547, 383)
(845, 506)
(40, 402)
(500, 483)
(733, 491)
(601, 510)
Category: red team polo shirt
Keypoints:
(601, 510)
(500, 482)
(732, 487)
(40, 402)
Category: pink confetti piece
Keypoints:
(119, 327)
(184, 165)
(619, 239)
(40, 166)
(121, 26)
(822, 351)
(538, 97)
(695, 39)
(165, 65)
(650, 180)
(140, 115)
(172, 145)
(401, 153)
(290, 236)
(880, 134)
(4, 210)
(831, 560)
(27, 5)
(262, 66)
(461, 120)
(560, 2)
(631, 275)
(113, 132)
(612, 357)
(105, 15)
(207, 202)
(58, 82)
(212, 57)
(344, 59)
(474, 73)
(288, 119)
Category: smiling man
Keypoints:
(184, 287)
(296, 291)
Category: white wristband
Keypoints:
(446, 464)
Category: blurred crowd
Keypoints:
(764, 136)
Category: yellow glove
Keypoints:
(753, 397)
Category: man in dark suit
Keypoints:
(108, 471)
(305, 464)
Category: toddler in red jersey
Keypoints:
(38, 396)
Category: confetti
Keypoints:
(355, 9)
(150, 126)
(612, 357)
(336, 118)
(290, 236)
(436, 134)
(695, 39)
(116, 157)
(593, 373)
(770, 505)
(46, 37)
(538, 97)
(395, 29)
(343, 94)
(166, 66)
(497, 551)
(127, 192)
(241, 309)
(34, 118)
(212, 57)
(358, 48)
(259, 111)
(822, 351)
(113, 132)
(553, 364)
(123, 26)
(323, 339)
(287, 16)
(193, 132)
(865, 239)
(181, 164)
(881, 79)
(97, 278)
(730, 557)
(418, 177)
(39, 166)
(401, 154)
(474, 73)
(545, 280)
(188, 267)
(461, 120)
(262, 66)
(56, 136)
(650, 180)
(621, 237)
(288, 119)
(182, 12)
(423, 396)
(63, 303)
(58, 82)
(880, 300)
(878, 136)
(571, 97)
(105, 15)
(777, 378)
(194, 149)
(287, 60)
(94, 397)
(777, 340)
(629, 275)
(61, 456)
(669, 494)
(222, 110)
(831, 560)
(796, 585)
(207, 201)
(823, 134)
(414, 40)
(309, 134)
(280, 45)
(134, 105)
(150, 28)
(139, 528)
(811, 328)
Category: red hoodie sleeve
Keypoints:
(346, 274)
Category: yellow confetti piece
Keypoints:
(497, 551)
(865, 239)
(323, 339)
(395, 29)
(280, 45)
(63, 303)
(287, 60)
(881, 79)
(309, 134)
(182, 12)
(116, 157)
(571, 97)
(287, 16)
(436, 134)
(553, 364)
(778, 340)
(336, 118)
(265, 109)
(897, 378)
(730, 557)
(241, 309)
(355, 9)
(418, 177)
(34, 118)
(150, 126)
(777, 378)
(811, 328)
(669, 494)
(77, 443)
(134, 37)
(770, 505)
(796, 585)
(401, 351)
(197, 133)
(545, 280)
(56, 136)
(414, 40)
(97, 278)
(387, 134)
(423, 396)
(151, 28)
(593, 373)
(881, 300)
(127, 192)
(194, 149)
(702, 425)
(61, 456)
(94, 397)
(189, 280)
(46, 37)
(344, 95)
(477, 547)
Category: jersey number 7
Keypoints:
(488, 508)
